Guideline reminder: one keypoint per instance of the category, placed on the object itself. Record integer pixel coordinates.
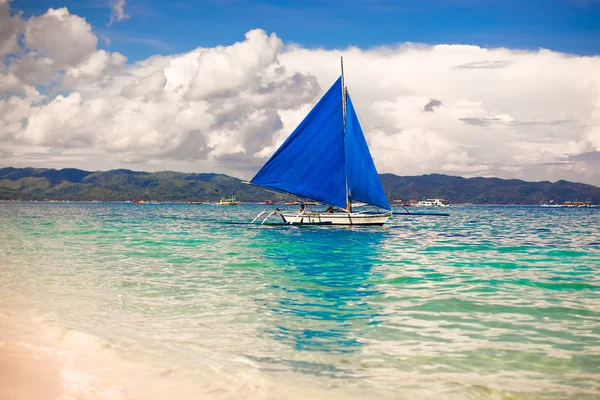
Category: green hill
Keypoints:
(122, 184)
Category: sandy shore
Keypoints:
(28, 373)
(29, 370)
(33, 367)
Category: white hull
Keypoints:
(432, 203)
(336, 218)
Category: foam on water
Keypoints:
(167, 300)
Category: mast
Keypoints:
(344, 92)
(343, 97)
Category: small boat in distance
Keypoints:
(326, 159)
(552, 204)
(140, 202)
(228, 201)
(432, 203)
(570, 204)
(268, 203)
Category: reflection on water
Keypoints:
(323, 297)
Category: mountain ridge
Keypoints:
(123, 184)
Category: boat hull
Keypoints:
(314, 218)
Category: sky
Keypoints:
(461, 87)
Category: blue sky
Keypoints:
(167, 27)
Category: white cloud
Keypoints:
(95, 69)
(10, 27)
(500, 107)
(65, 38)
(117, 12)
(497, 112)
(59, 44)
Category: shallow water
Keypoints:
(173, 299)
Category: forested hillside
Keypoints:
(121, 184)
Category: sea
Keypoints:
(184, 301)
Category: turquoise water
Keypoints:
(489, 302)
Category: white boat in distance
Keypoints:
(228, 201)
(326, 159)
(433, 203)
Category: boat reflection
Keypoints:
(322, 301)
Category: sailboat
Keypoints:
(326, 160)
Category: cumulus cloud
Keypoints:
(507, 113)
(64, 38)
(10, 27)
(57, 44)
(117, 12)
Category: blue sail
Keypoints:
(310, 163)
(363, 182)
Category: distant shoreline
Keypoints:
(121, 185)
(249, 203)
